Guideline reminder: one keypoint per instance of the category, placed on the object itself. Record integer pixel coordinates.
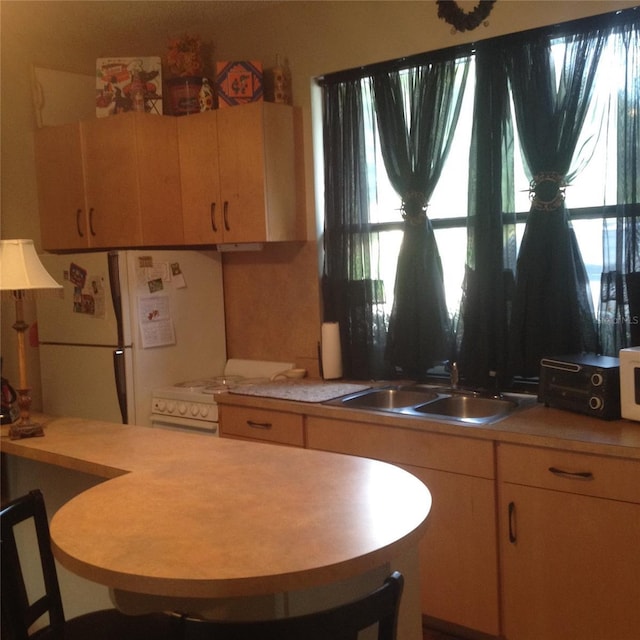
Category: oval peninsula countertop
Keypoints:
(190, 516)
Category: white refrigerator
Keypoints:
(129, 321)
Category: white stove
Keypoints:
(192, 406)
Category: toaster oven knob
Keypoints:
(597, 379)
(595, 402)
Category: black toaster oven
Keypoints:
(586, 383)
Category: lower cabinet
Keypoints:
(523, 543)
(262, 425)
(569, 545)
(458, 555)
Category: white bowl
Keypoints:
(296, 373)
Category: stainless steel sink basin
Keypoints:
(436, 403)
(386, 399)
(466, 408)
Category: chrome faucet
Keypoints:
(454, 375)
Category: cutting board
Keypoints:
(300, 390)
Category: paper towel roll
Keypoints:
(331, 351)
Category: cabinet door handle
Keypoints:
(212, 214)
(259, 425)
(512, 522)
(78, 227)
(573, 475)
(225, 214)
(93, 233)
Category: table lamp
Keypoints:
(23, 276)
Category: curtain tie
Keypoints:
(546, 191)
(414, 207)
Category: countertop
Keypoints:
(536, 425)
(184, 515)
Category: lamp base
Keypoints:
(21, 430)
(24, 428)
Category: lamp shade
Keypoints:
(21, 269)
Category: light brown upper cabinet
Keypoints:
(109, 182)
(238, 174)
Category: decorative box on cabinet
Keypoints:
(265, 425)
(238, 172)
(111, 182)
(458, 555)
(569, 544)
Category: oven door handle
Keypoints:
(162, 421)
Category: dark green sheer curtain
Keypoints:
(491, 241)
(415, 139)
(512, 312)
(352, 295)
(620, 282)
(552, 310)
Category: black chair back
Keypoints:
(343, 622)
(18, 613)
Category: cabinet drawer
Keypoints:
(585, 474)
(402, 446)
(262, 424)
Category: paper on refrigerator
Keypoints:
(156, 324)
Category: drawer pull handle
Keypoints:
(78, 228)
(212, 215)
(512, 522)
(225, 216)
(259, 425)
(574, 475)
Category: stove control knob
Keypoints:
(182, 408)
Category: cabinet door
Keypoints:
(132, 171)
(570, 565)
(61, 196)
(112, 192)
(158, 173)
(458, 554)
(202, 206)
(242, 173)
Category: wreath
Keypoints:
(461, 20)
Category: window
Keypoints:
(593, 192)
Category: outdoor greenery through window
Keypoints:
(596, 172)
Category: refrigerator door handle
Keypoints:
(119, 370)
(116, 294)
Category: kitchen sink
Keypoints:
(441, 403)
(387, 399)
(465, 407)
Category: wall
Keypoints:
(273, 302)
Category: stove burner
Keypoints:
(208, 385)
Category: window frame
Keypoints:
(602, 212)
